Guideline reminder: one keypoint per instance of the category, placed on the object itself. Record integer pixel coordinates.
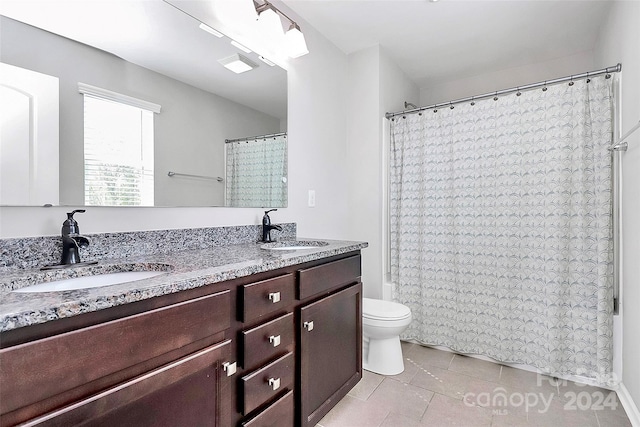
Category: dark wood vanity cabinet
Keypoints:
(313, 313)
(277, 349)
(330, 344)
(162, 366)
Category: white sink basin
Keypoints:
(90, 281)
(293, 245)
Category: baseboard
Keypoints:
(629, 405)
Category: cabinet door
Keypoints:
(42, 375)
(330, 351)
(192, 391)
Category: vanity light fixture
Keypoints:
(238, 63)
(296, 44)
(241, 47)
(210, 30)
(269, 23)
(269, 20)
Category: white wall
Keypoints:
(363, 152)
(508, 78)
(317, 160)
(376, 85)
(619, 41)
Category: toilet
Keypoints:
(382, 324)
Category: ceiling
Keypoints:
(435, 42)
(432, 42)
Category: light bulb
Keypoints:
(270, 25)
(296, 44)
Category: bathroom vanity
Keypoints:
(233, 335)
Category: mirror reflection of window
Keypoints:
(118, 154)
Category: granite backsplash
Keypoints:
(34, 252)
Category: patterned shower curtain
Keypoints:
(501, 240)
(256, 174)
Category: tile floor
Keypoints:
(439, 388)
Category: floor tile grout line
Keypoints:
(423, 367)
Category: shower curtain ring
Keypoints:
(451, 105)
(571, 82)
(544, 88)
(518, 93)
(473, 102)
(495, 96)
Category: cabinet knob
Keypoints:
(274, 383)
(230, 368)
(274, 297)
(275, 340)
(308, 325)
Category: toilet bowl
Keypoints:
(382, 324)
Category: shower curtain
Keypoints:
(257, 172)
(500, 221)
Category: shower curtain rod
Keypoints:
(272, 135)
(615, 69)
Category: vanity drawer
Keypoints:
(41, 369)
(267, 341)
(279, 414)
(267, 382)
(267, 296)
(322, 278)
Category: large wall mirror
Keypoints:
(144, 112)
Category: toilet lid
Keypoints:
(379, 309)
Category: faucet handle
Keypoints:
(70, 226)
(266, 220)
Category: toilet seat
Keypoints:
(376, 309)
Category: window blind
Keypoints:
(118, 153)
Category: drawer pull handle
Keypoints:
(230, 368)
(308, 326)
(274, 383)
(274, 297)
(275, 340)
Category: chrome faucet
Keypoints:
(72, 241)
(267, 227)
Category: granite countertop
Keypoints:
(184, 270)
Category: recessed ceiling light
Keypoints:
(241, 47)
(210, 30)
(238, 63)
